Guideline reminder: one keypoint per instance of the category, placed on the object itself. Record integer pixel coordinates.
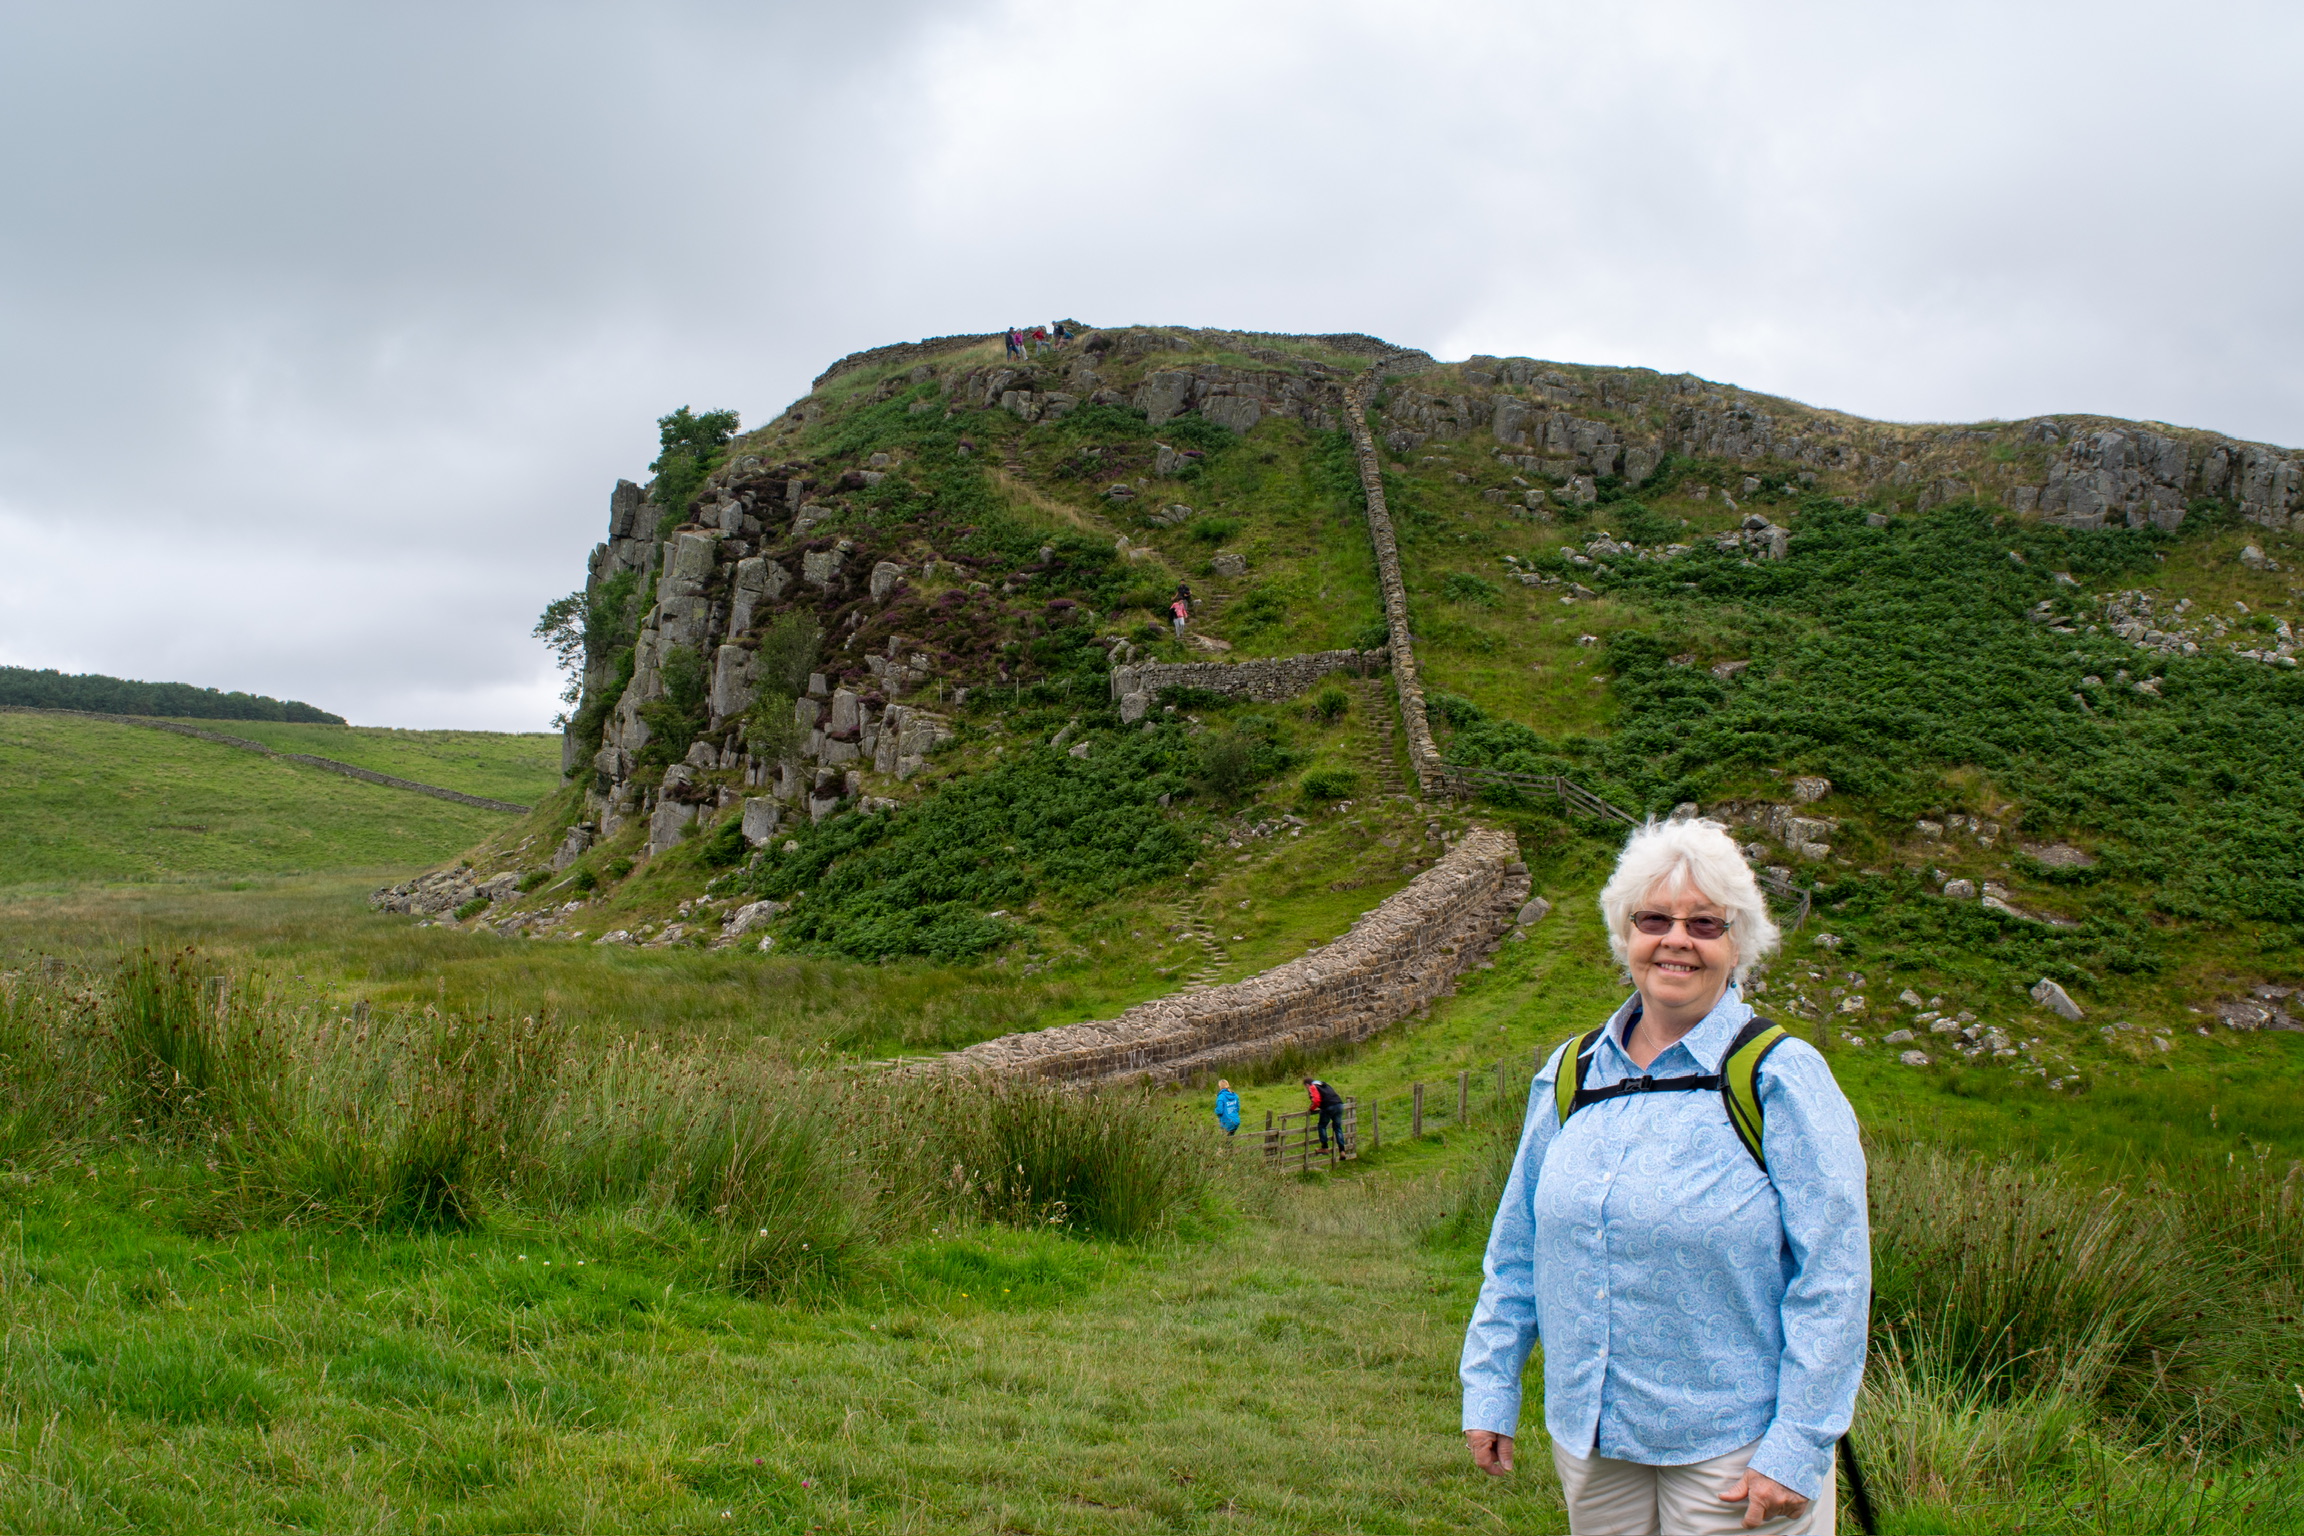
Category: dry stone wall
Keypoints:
(1395, 960)
(1269, 681)
(1423, 753)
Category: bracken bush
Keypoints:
(1886, 658)
(922, 880)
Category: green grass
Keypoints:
(87, 800)
(522, 767)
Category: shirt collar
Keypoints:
(1707, 1044)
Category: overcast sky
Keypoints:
(325, 329)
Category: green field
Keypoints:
(84, 800)
(496, 765)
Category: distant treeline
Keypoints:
(49, 689)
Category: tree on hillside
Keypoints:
(561, 628)
(689, 445)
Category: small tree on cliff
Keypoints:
(689, 447)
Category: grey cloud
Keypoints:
(329, 327)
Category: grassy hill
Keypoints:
(89, 800)
(559, 1285)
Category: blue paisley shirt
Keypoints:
(1688, 1303)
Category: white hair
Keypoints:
(1702, 856)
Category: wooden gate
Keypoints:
(1292, 1142)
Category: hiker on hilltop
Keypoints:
(1227, 1108)
(1685, 1229)
(1039, 340)
(1062, 335)
(1180, 610)
(1016, 344)
(1328, 1110)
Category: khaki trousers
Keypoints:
(1628, 1498)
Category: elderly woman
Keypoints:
(1683, 1231)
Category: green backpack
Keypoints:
(1738, 1081)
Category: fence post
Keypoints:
(1463, 1095)
(1271, 1143)
(1416, 1123)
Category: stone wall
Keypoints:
(1395, 960)
(1423, 754)
(1269, 681)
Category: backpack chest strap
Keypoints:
(1694, 1083)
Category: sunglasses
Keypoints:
(1657, 924)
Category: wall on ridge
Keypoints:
(1423, 752)
(1393, 961)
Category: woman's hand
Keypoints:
(1491, 1452)
(1766, 1499)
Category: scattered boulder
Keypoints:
(748, 917)
(572, 846)
(1915, 1059)
(1807, 789)
(761, 813)
(1960, 890)
(1533, 912)
(2055, 999)
(1229, 564)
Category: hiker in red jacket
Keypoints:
(1328, 1105)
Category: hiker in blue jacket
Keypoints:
(1227, 1107)
(1684, 1230)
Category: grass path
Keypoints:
(1295, 1374)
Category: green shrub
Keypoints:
(1228, 762)
(1262, 608)
(677, 718)
(724, 844)
(1330, 704)
(1463, 587)
(534, 878)
(584, 880)
(1213, 530)
(919, 881)
(473, 909)
(617, 868)
(1638, 523)
(690, 447)
(1325, 784)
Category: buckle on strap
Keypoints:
(1642, 1084)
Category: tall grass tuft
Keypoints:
(422, 1120)
(1107, 1162)
(2024, 1282)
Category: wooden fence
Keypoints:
(1292, 1144)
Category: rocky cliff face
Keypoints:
(1569, 425)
